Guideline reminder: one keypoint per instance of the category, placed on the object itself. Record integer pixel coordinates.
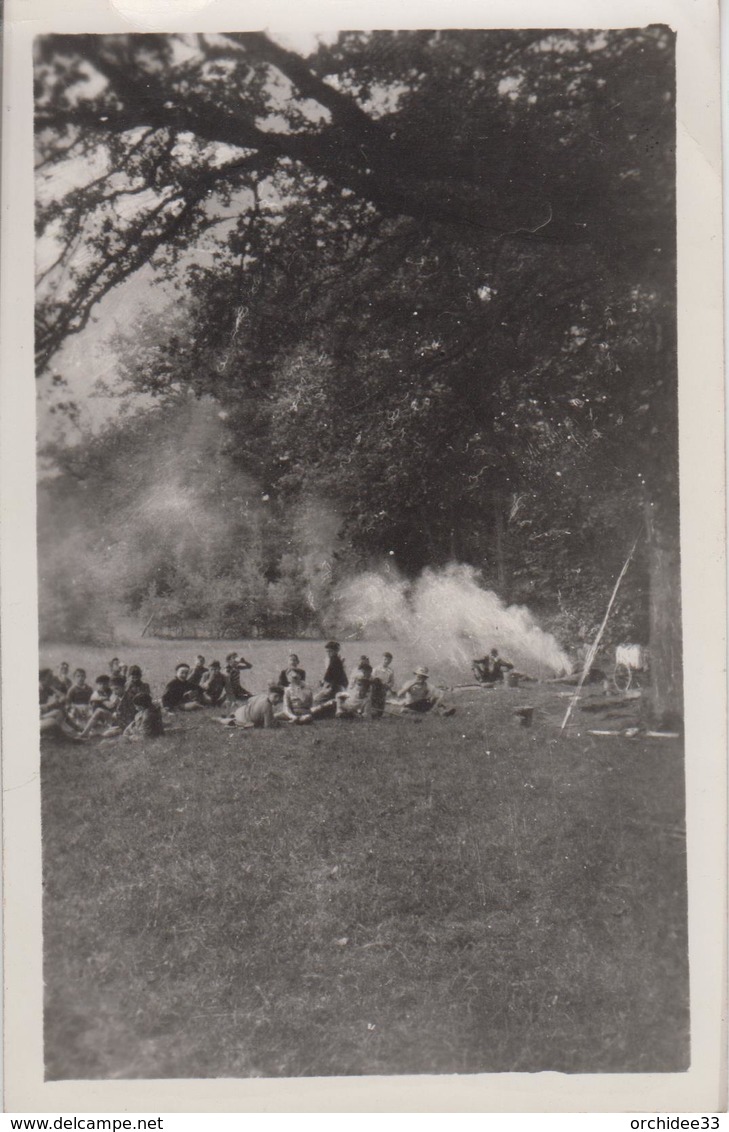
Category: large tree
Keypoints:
(434, 254)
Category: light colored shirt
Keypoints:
(386, 676)
(356, 696)
(415, 691)
(255, 712)
(298, 699)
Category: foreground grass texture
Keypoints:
(456, 895)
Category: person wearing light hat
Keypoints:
(417, 695)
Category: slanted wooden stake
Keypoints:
(149, 622)
(596, 643)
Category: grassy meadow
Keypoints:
(395, 896)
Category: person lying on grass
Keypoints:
(298, 700)
(147, 722)
(419, 696)
(258, 711)
(180, 694)
(212, 686)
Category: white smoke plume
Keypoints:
(450, 619)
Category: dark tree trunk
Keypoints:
(500, 548)
(666, 701)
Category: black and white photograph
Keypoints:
(359, 561)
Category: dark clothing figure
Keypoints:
(499, 667)
(233, 687)
(197, 674)
(126, 710)
(179, 692)
(79, 694)
(378, 696)
(49, 696)
(213, 689)
(283, 678)
(147, 723)
(490, 669)
(335, 675)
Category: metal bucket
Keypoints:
(512, 679)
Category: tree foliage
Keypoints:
(438, 285)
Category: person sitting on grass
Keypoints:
(134, 687)
(213, 685)
(234, 690)
(62, 682)
(499, 666)
(116, 668)
(79, 695)
(417, 696)
(101, 692)
(355, 701)
(381, 686)
(104, 703)
(258, 711)
(293, 665)
(490, 669)
(334, 680)
(180, 694)
(297, 701)
(147, 722)
(54, 718)
(198, 671)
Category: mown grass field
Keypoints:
(452, 895)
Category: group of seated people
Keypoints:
(368, 693)
(117, 704)
(121, 703)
